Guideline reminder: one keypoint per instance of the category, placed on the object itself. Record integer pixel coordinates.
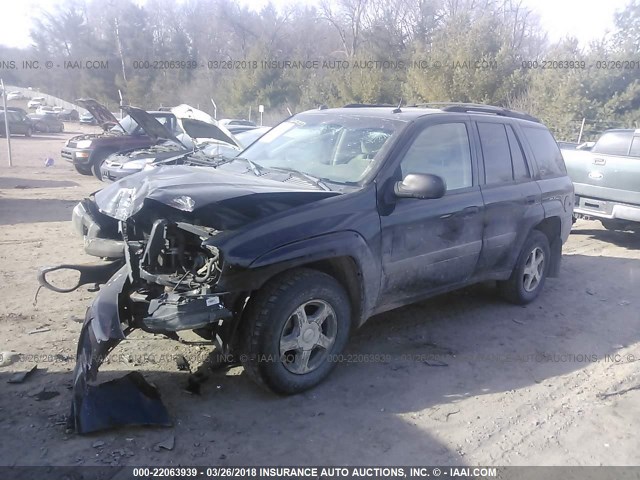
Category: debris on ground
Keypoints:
(182, 363)
(436, 363)
(20, 377)
(39, 330)
(167, 444)
(45, 394)
(129, 400)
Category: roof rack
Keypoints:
(479, 108)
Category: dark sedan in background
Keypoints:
(47, 123)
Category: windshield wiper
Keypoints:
(305, 176)
(254, 168)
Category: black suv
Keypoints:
(332, 216)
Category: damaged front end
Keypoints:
(160, 232)
(163, 280)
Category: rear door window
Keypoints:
(545, 151)
(496, 153)
(520, 168)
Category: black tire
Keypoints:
(97, 161)
(523, 287)
(612, 225)
(83, 170)
(271, 323)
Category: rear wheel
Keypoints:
(529, 274)
(293, 328)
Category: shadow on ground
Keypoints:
(23, 210)
(27, 183)
(423, 359)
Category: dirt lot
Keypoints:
(468, 379)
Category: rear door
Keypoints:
(512, 200)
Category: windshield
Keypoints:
(332, 147)
(129, 125)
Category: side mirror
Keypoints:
(420, 185)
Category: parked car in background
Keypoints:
(36, 102)
(88, 119)
(235, 129)
(607, 179)
(586, 146)
(335, 215)
(196, 131)
(46, 123)
(19, 122)
(236, 122)
(247, 137)
(43, 109)
(568, 145)
(87, 152)
(15, 95)
(69, 115)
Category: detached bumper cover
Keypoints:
(127, 401)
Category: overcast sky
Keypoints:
(586, 20)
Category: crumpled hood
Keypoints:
(219, 199)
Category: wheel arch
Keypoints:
(552, 229)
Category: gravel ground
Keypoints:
(462, 379)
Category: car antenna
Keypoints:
(397, 109)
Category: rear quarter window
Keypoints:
(545, 151)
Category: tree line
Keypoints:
(340, 51)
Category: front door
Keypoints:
(431, 244)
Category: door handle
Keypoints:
(530, 200)
(465, 212)
(470, 211)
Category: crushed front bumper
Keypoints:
(126, 401)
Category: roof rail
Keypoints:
(368, 105)
(480, 108)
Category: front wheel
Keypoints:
(96, 164)
(82, 170)
(530, 271)
(293, 329)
